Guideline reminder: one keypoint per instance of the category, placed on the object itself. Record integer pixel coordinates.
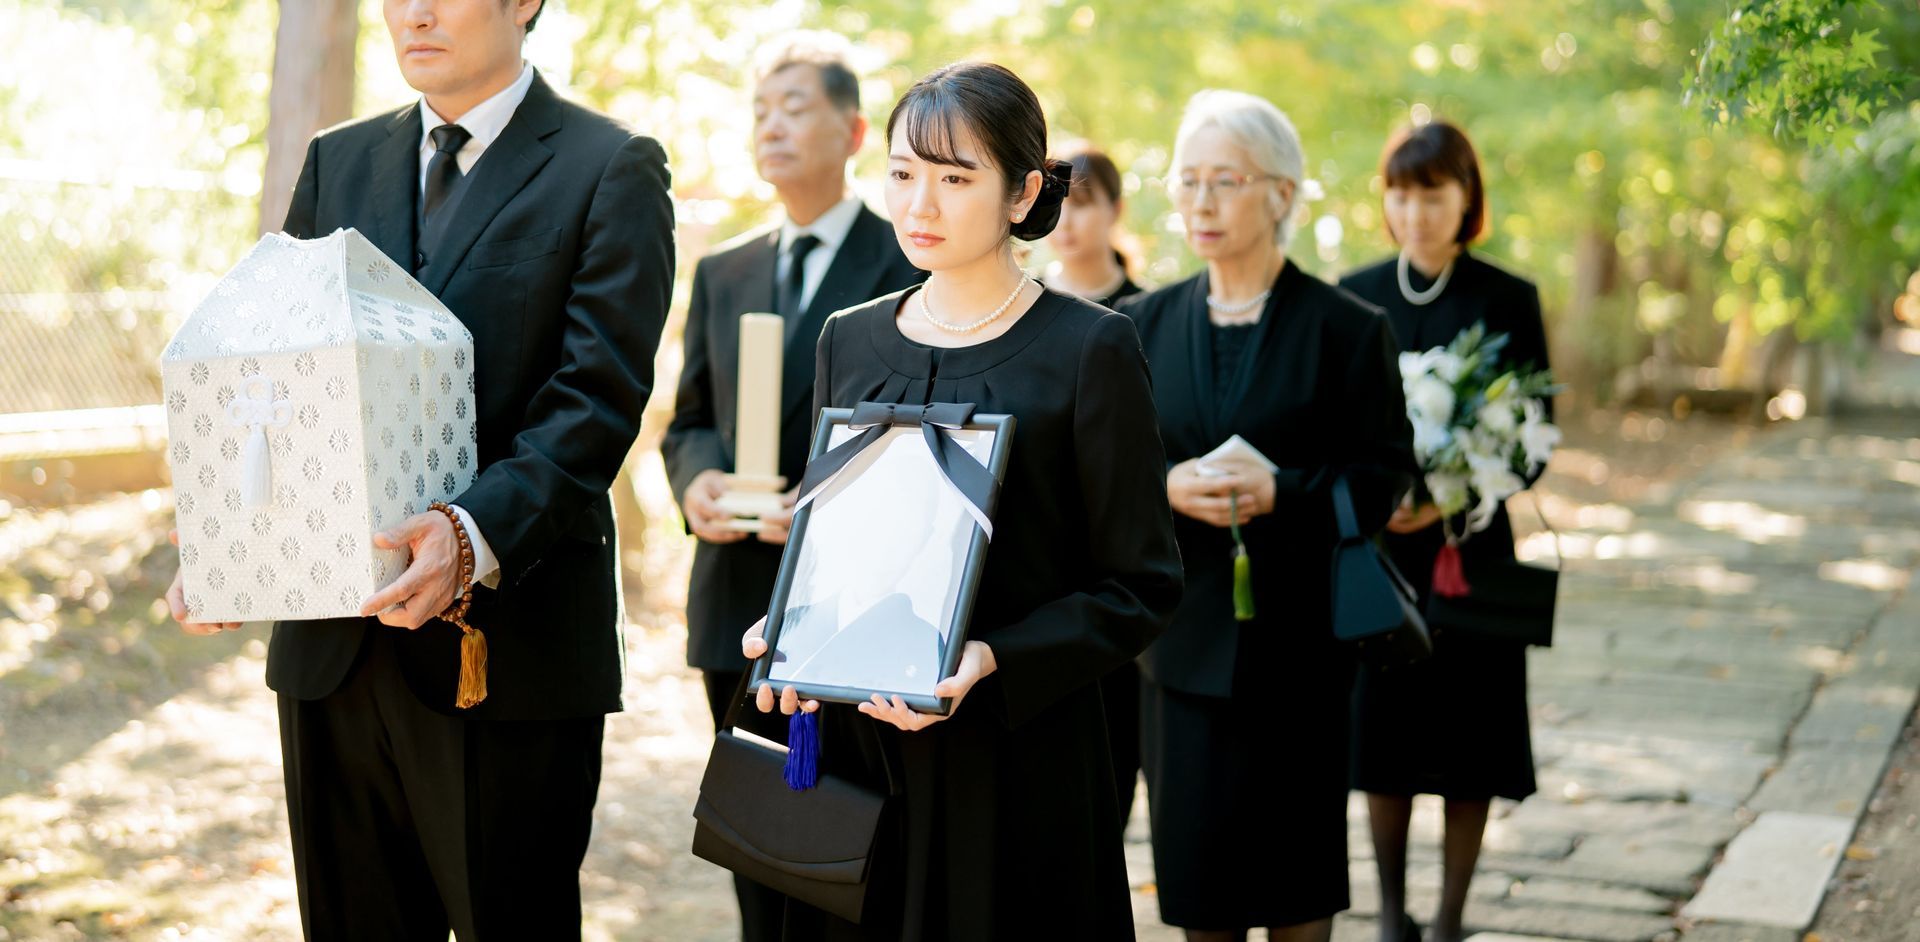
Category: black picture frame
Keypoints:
(963, 581)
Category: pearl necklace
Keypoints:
(927, 312)
(1232, 312)
(1104, 291)
(1422, 298)
(1241, 308)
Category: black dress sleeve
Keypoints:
(1527, 342)
(1371, 442)
(822, 371)
(1133, 564)
(1140, 307)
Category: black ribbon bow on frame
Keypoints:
(936, 422)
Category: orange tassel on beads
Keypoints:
(473, 645)
(473, 668)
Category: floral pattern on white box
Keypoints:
(318, 394)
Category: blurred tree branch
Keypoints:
(313, 67)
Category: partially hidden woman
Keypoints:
(1245, 722)
(1007, 830)
(1086, 261)
(1454, 725)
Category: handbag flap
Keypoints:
(1509, 585)
(1367, 600)
(823, 833)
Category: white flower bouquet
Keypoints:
(1479, 429)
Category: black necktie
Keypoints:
(443, 171)
(795, 285)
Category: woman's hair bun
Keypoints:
(1056, 178)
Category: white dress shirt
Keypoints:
(831, 229)
(483, 122)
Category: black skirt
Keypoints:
(1248, 793)
(1455, 724)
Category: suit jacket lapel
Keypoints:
(851, 279)
(1193, 307)
(396, 188)
(509, 162)
(757, 284)
(748, 289)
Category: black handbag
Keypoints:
(1508, 600)
(818, 846)
(1373, 606)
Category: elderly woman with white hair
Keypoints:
(1245, 718)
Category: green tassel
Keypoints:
(1242, 567)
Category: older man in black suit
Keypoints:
(829, 252)
(548, 230)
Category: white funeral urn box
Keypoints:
(317, 395)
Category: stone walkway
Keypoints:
(1735, 658)
(1734, 662)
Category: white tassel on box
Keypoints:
(255, 409)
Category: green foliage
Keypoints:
(136, 132)
(1647, 229)
(1809, 69)
(1867, 238)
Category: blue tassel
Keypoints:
(803, 751)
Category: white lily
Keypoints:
(1431, 398)
(1449, 491)
(1429, 437)
(1499, 417)
(1538, 437)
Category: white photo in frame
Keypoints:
(877, 581)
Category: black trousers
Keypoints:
(761, 909)
(408, 822)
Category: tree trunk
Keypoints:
(313, 54)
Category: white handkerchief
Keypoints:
(1235, 454)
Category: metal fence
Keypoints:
(94, 275)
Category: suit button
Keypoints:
(419, 260)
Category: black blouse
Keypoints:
(1127, 289)
(1229, 351)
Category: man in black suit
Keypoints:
(548, 230)
(829, 253)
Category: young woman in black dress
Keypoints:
(1087, 262)
(1006, 828)
(1245, 722)
(1454, 725)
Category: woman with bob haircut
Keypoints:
(1454, 725)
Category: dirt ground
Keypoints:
(140, 791)
(1876, 895)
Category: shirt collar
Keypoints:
(831, 228)
(486, 120)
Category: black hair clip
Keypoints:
(1055, 180)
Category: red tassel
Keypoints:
(1449, 579)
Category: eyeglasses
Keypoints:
(1225, 185)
